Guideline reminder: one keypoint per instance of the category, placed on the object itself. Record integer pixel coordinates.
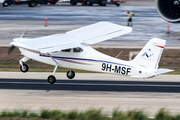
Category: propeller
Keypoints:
(13, 47)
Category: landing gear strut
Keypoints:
(52, 79)
(70, 74)
(24, 67)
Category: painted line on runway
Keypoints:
(92, 84)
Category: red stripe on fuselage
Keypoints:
(159, 46)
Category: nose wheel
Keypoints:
(70, 74)
(24, 68)
(51, 79)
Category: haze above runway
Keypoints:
(62, 18)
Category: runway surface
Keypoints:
(31, 90)
(91, 85)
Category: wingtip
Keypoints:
(158, 40)
(130, 28)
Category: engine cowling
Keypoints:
(169, 10)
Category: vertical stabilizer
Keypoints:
(149, 57)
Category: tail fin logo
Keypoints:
(147, 55)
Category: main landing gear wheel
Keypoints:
(70, 74)
(24, 68)
(51, 79)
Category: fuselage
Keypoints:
(84, 58)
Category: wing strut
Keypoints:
(53, 59)
(55, 62)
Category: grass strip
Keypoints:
(91, 114)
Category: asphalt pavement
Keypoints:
(91, 85)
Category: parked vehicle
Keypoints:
(49, 1)
(100, 2)
(31, 3)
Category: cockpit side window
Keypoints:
(66, 50)
(78, 49)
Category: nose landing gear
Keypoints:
(24, 68)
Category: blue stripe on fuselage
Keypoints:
(58, 58)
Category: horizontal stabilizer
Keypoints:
(155, 73)
(161, 71)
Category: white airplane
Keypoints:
(71, 50)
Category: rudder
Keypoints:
(148, 58)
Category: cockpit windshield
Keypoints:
(66, 50)
(78, 49)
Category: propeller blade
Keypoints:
(11, 49)
(24, 32)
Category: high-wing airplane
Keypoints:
(71, 50)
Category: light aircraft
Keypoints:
(71, 50)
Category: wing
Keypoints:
(98, 32)
(47, 44)
(89, 34)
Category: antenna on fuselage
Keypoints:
(119, 54)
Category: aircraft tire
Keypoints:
(25, 68)
(89, 3)
(51, 79)
(102, 3)
(73, 2)
(32, 4)
(118, 5)
(70, 74)
(52, 3)
(5, 4)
